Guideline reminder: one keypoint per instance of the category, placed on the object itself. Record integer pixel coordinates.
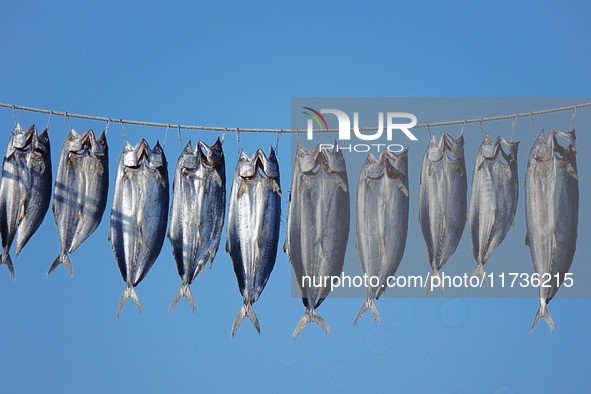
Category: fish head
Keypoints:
(129, 156)
(268, 164)
(247, 165)
(98, 147)
(435, 150)
(541, 150)
(488, 148)
(396, 164)
(508, 150)
(306, 160)
(41, 145)
(211, 157)
(21, 139)
(74, 141)
(562, 153)
(188, 158)
(455, 147)
(156, 157)
(333, 160)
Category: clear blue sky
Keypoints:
(239, 64)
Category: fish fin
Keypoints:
(527, 238)
(276, 188)
(310, 315)
(571, 171)
(246, 311)
(129, 292)
(403, 189)
(370, 304)
(217, 179)
(542, 312)
(64, 259)
(8, 261)
(184, 291)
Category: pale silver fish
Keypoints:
(551, 212)
(382, 220)
(495, 191)
(317, 225)
(80, 192)
(197, 212)
(25, 188)
(253, 227)
(442, 199)
(139, 213)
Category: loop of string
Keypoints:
(429, 130)
(463, 125)
(533, 126)
(224, 135)
(14, 115)
(123, 132)
(238, 140)
(513, 129)
(277, 141)
(68, 124)
(482, 127)
(572, 122)
(165, 137)
(180, 137)
(107, 128)
(49, 120)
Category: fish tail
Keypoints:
(542, 312)
(246, 311)
(479, 271)
(184, 291)
(64, 259)
(370, 303)
(310, 315)
(8, 261)
(435, 274)
(129, 292)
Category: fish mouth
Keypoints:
(40, 144)
(259, 165)
(210, 157)
(561, 152)
(395, 164)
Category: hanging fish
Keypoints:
(197, 212)
(442, 199)
(495, 191)
(551, 212)
(317, 225)
(139, 213)
(80, 193)
(253, 227)
(382, 220)
(25, 188)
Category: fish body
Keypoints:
(317, 225)
(139, 213)
(253, 227)
(551, 211)
(495, 192)
(25, 188)
(382, 220)
(80, 192)
(442, 199)
(197, 212)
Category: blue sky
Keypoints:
(239, 64)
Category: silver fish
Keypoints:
(80, 193)
(253, 227)
(442, 199)
(551, 212)
(495, 191)
(25, 188)
(197, 212)
(382, 220)
(317, 225)
(139, 214)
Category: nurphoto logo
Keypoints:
(392, 124)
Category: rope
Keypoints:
(250, 130)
